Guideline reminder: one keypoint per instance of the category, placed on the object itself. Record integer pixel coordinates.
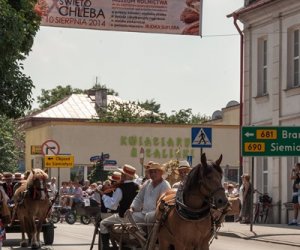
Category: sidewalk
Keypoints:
(275, 233)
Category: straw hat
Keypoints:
(183, 165)
(18, 177)
(7, 176)
(129, 171)
(148, 165)
(246, 176)
(156, 166)
(116, 176)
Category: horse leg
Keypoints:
(35, 244)
(39, 228)
(24, 242)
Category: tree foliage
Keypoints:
(52, 96)
(11, 144)
(121, 111)
(18, 26)
(150, 105)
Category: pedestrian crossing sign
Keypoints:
(201, 137)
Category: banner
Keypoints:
(151, 16)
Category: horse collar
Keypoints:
(187, 212)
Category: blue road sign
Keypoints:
(110, 162)
(95, 158)
(201, 137)
(189, 158)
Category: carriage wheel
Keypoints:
(85, 219)
(55, 217)
(70, 218)
(48, 234)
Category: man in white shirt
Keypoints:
(121, 200)
(144, 204)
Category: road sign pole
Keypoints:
(251, 201)
(142, 155)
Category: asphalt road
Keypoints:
(67, 237)
(79, 237)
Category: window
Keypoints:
(265, 175)
(293, 58)
(262, 64)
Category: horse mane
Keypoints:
(36, 174)
(193, 178)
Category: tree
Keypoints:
(150, 105)
(11, 144)
(123, 111)
(52, 96)
(185, 116)
(18, 27)
(129, 112)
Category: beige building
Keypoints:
(71, 128)
(271, 87)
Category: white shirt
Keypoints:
(147, 197)
(113, 201)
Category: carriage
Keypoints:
(187, 218)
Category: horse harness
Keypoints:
(187, 213)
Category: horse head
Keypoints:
(212, 182)
(205, 181)
(36, 183)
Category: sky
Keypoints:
(176, 71)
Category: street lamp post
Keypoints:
(142, 155)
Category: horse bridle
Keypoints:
(210, 197)
(43, 188)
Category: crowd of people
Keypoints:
(124, 192)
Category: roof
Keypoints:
(81, 106)
(254, 5)
(75, 106)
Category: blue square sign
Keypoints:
(201, 137)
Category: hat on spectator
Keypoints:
(116, 176)
(156, 166)
(246, 176)
(183, 165)
(148, 165)
(94, 185)
(18, 177)
(129, 171)
(7, 176)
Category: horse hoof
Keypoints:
(35, 246)
(23, 244)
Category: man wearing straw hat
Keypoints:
(108, 188)
(144, 204)
(121, 200)
(183, 169)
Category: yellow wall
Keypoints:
(86, 139)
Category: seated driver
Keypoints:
(144, 204)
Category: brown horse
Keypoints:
(32, 206)
(4, 209)
(185, 217)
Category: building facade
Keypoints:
(271, 33)
(70, 127)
